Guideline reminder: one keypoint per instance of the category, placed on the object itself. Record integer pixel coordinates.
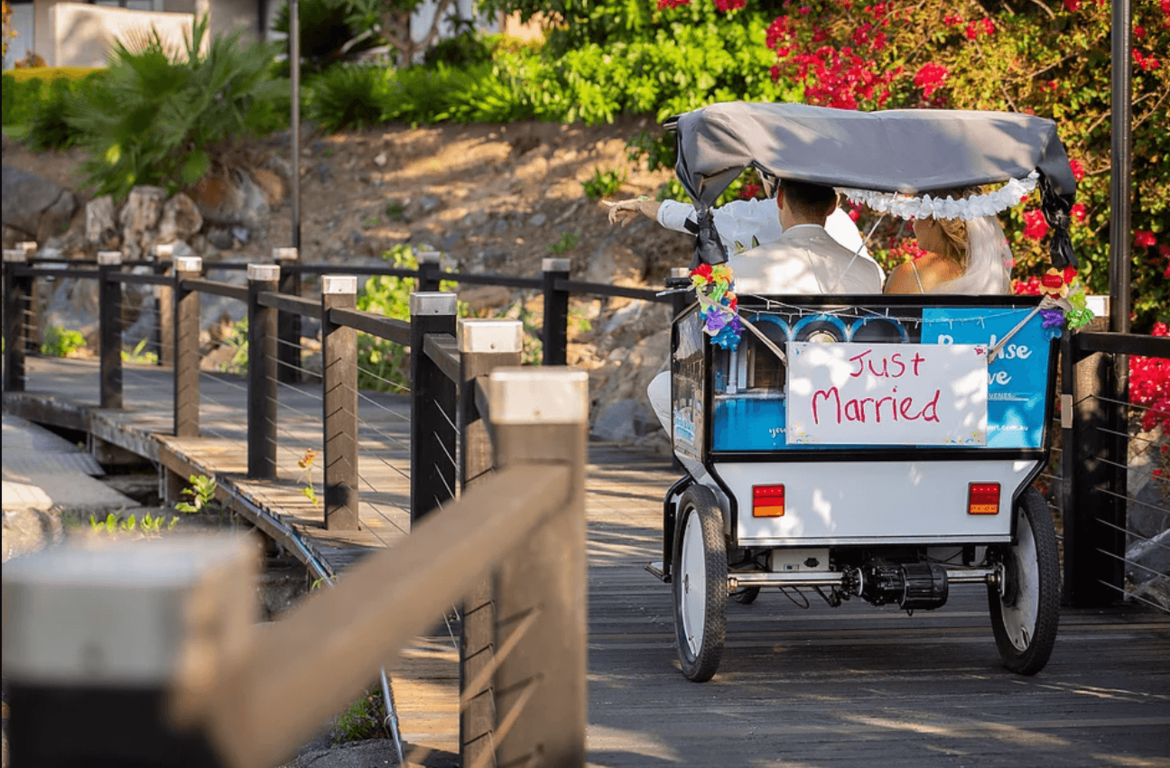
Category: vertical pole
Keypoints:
(432, 407)
(540, 416)
(110, 328)
(428, 271)
(1121, 174)
(32, 317)
(294, 65)
(185, 352)
(679, 301)
(164, 304)
(484, 345)
(262, 278)
(556, 312)
(1068, 463)
(15, 291)
(339, 405)
(288, 324)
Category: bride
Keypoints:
(963, 256)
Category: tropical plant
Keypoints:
(566, 243)
(152, 120)
(202, 492)
(140, 354)
(604, 183)
(348, 95)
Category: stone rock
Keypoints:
(486, 297)
(429, 203)
(624, 421)
(142, 211)
(241, 234)
(537, 220)
(101, 225)
(74, 305)
(602, 266)
(271, 183)
(1145, 516)
(231, 199)
(492, 258)
(35, 205)
(380, 159)
(180, 219)
(1148, 559)
(324, 172)
(221, 238)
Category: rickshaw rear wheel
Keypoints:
(1025, 611)
(699, 583)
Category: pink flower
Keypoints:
(1079, 213)
(1035, 225)
(1078, 170)
(1144, 239)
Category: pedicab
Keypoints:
(878, 447)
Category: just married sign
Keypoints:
(887, 394)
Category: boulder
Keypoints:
(139, 218)
(180, 219)
(625, 421)
(231, 199)
(101, 222)
(35, 205)
(74, 305)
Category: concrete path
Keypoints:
(43, 476)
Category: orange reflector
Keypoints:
(983, 499)
(767, 501)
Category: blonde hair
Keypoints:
(954, 231)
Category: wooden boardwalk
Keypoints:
(801, 688)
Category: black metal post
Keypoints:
(1068, 464)
(339, 405)
(288, 324)
(556, 312)
(428, 271)
(484, 345)
(540, 590)
(432, 409)
(294, 66)
(262, 366)
(185, 352)
(164, 305)
(1121, 173)
(110, 328)
(16, 289)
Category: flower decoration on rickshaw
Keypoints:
(1064, 303)
(713, 287)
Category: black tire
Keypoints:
(745, 595)
(699, 583)
(1026, 612)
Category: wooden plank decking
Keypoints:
(807, 688)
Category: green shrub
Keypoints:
(604, 183)
(20, 98)
(58, 341)
(348, 95)
(467, 49)
(151, 120)
(47, 127)
(326, 27)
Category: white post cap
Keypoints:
(680, 272)
(429, 257)
(164, 251)
(28, 246)
(285, 254)
(14, 256)
(555, 265)
(189, 264)
(333, 285)
(490, 335)
(266, 272)
(535, 395)
(109, 258)
(432, 303)
(118, 615)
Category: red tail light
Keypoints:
(767, 501)
(983, 499)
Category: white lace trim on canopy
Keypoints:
(908, 207)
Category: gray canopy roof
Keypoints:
(905, 150)
(912, 150)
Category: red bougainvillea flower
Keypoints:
(1035, 226)
(1139, 31)
(1078, 169)
(1144, 239)
(1072, 5)
(1079, 214)
(952, 21)
(749, 191)
(854, 214)
(930, 78)
(1145, 63)
(1149, 386)
(664, 5)
(730, 5)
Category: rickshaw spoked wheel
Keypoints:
(1025, 609)
(699, 583)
